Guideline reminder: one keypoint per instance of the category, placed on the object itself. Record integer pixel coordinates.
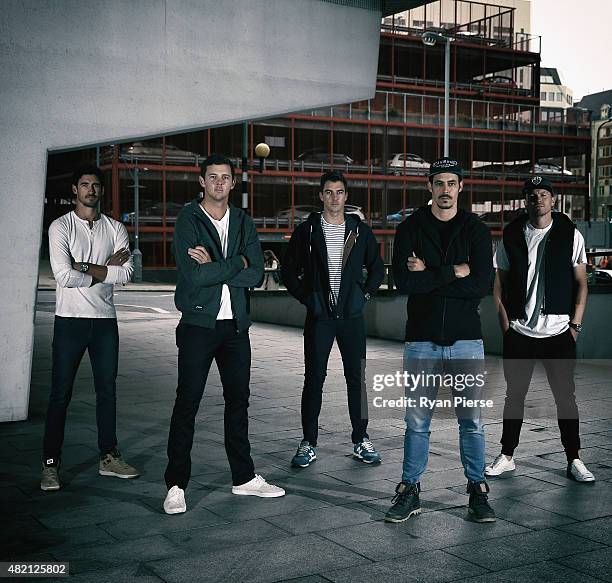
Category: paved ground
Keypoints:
(329, 526)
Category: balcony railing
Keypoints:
(428, 110)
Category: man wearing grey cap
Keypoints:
(540, 293)
(442, 258)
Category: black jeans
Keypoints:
(71, 337)
(558, 355)
(319, 338)
(197, 347)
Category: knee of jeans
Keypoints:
(417, 423)
(471, 425)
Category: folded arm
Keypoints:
(416, 282)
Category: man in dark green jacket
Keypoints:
(218, 257)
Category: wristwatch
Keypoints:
(84, 267)
(577, 327)
(367, 296)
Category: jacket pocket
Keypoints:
(356, 302)
(314, 304)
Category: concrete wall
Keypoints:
(386, 318)
(83, 72)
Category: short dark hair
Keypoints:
(216, 159)
(333, 176)
(87, 169)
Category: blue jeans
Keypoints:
(428, 357)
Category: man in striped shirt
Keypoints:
(323, 269)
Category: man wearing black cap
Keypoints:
(442, 258)
(540, 294)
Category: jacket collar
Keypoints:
(235, 224)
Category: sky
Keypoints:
(577, 40)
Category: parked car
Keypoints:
(152, 152)
(299, 211)
(408, 164)
(399, 216)
(498, 81)
(319, 157)
(602, 276)
(302, 212)
(351, 209)
(549, 168)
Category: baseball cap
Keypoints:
(445, 165)
(537, 182)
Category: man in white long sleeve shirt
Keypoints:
(89, 253)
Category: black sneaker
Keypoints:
(405, 502)
(479, 504)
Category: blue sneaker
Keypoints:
(365, 452)
(305, 455)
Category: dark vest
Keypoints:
(559, 282)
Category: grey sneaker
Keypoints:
(50, 477)
(112, 464)
(258, 487)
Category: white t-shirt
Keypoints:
(222, 226)
(547, 324)
(72, 240)
(334, 241)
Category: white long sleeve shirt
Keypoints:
(72, 240)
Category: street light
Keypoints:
(429, 40)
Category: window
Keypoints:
(559, 96)
(551, 96)
(543, 96)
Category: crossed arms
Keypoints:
(466, 280)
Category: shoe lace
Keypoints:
(402, 497)
(303, 449)
(260, 481)
(482, 498)
(579, 465)
(368, 446)
(498, 459)
(175, 496)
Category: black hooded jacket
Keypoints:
(305, 271)
(441, 307)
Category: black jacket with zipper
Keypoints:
(441, 307)
(306, 274)
(198, 287)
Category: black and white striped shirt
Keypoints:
(334, 241)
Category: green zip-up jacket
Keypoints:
(198, 287)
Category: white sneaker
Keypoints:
(258, 487)
(175, 501)
(500, 465)
(578, 472)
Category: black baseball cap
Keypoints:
(446, 165)
(537, 182)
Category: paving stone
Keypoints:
(598, 529)
(579, 501)
(596, 563)
(94, 557)
(161, 523)
(528, 516)
(545, 572)
(92, 514)
(124, 574)
(325, 518)
(433, 530)
(522, 549)
(227, 535)
(284, 559)
(433, 567)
